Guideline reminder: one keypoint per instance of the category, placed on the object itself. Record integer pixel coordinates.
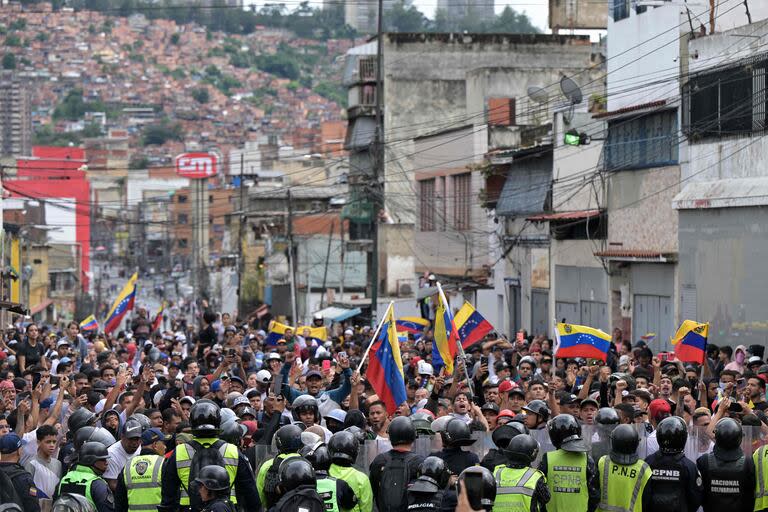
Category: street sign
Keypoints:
(196, 165)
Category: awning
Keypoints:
(36, 309)
(525, 191)
(360, 134)
(633, 109)
(337, 314)
(583, 214)
(636, 255)
(732, 193)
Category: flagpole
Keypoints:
(375, 335)
(458, 339)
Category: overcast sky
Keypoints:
(535, 9)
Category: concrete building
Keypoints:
(15, 116)
(457, 10)
(362, 15)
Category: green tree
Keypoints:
(510, 21)
(160, 133)
(175, 38)
(201, 95)
(402, 18)
(13, 40)
(9, 61)
(138, 162)
(19, 24)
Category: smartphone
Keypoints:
(231, 352)
(276, 388)
(54, 380)
(475, 487)
(483, 360)
(741, 384)
(122, 367)
(326, 365)
(519, 337)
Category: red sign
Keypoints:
(196, 165)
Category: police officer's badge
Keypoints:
(141, 467)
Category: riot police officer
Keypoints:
(179, 488)
(214, 489)
(85, 478)
(521, 487)
(343, 447)
(501, 438)
(72, 503)
(623, 476)
(297, 487)
(728, 476)
(571, 472)
(675, 482)
(336, 494)
(536, 414)
(393, 471)
(605, 421)
(429, 491)
(455, 436)
(288, 442)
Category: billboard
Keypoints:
(196, 165)
(583, 14)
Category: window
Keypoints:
(619, 9)
(427, 205)
(646, 141)
(182, 199)
(727, 101)
(182, 243)
(182, 218)
(462, 200)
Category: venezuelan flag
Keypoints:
(690, 342)
(89, 324)
(385, 369)
(580, 341)
(158, 321)
(471, 325)
(318, 334)
(446, 337)
(276, 332)
(123, 303)
(413, 324)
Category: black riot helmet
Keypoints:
(456, 433)
(358, 432)
(401, 431)
(319, 456)
(343, 447)
(294, 472)
(565, 434)
(728, 436)
(82, 417)
(503, 435)
(624, 442)
(672, 435)
(98, 434)
(481, 487)
(305, 403)
(423, 424)
(522, 450)
(607, 416)
(143, 420)
(540, 408)
(214, 478)
(92, 452)
(205, 418)
(233, 432)
(433, 476)
(288, 439)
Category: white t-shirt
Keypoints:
(118, 458)
(46, 474)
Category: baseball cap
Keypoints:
(755, 360)
(131, 429)
(6, 384)
(153, 435)
(240, 400)
(658, 408)
(490, 406)
(314, 373)
(624, 360)
(62, 343)
(505, 386)
(187, 399)
(589, 401)
(216, 385)
(569, 399)
(65, 361)
(11, 442)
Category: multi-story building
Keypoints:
(15, 116)
(457, 10)
(362, 15)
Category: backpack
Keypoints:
(301, 500)
(201, 457)
(10, 499)
(271, 481)
(394, 482)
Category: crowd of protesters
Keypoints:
(122, 422)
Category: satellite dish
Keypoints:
(538, 94)
(571, 90)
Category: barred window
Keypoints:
(427, 205)
(650, 140)
(462, 200)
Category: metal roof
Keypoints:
(583, 214)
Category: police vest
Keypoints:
(326, 488)
(567, 481)
(359, 483)
(515, 488)
(186, 452)
(425, 502)
(622, 485)
(142, 481)
(760, 457)
(78, 481)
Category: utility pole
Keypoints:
(378, 170)
(327, 260)
(240, 241)
(291, 266)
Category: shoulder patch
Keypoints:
(33, 491)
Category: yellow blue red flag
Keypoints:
(444, 347)
(123, 303)
(690, 342)
(276, 332)
(581, 341)
(385, 368)
(89, 324)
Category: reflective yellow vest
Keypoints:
(567, 481)
(622, 485)
(142, 481)
(184, 455)
(515, 488)
(760, 457)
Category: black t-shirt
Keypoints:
(208, 337)
(32, 355)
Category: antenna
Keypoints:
(538, 94)
(571, 90)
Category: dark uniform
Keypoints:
(493, 458)
(218, 505)
(675, 483)
(383, 462)
(23, 484)
(729, 485)
(443, 500)
(457, 459)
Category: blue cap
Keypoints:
(153, 435)
(47, 403)
(65, 360)
(9, 443)
(216, 385)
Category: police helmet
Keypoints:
(98, 434)
(318, 455)
(624, 442)
(481, 491)
(288, 439)
(91, 452)
(233, 433)
(142, 419)
(306, 403)
(538, 407)
(205, 418)
(503, 435)
(672, 434)
(358, 432)
(565, 433)
(343, 447)
(72, 503)
(728, 436)
(457, 433)
(607, 416)
(433, 471)
(82, 417)
(522, 449)
(213, 478)
(401, 431)
(294, 472)
(422, 422)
